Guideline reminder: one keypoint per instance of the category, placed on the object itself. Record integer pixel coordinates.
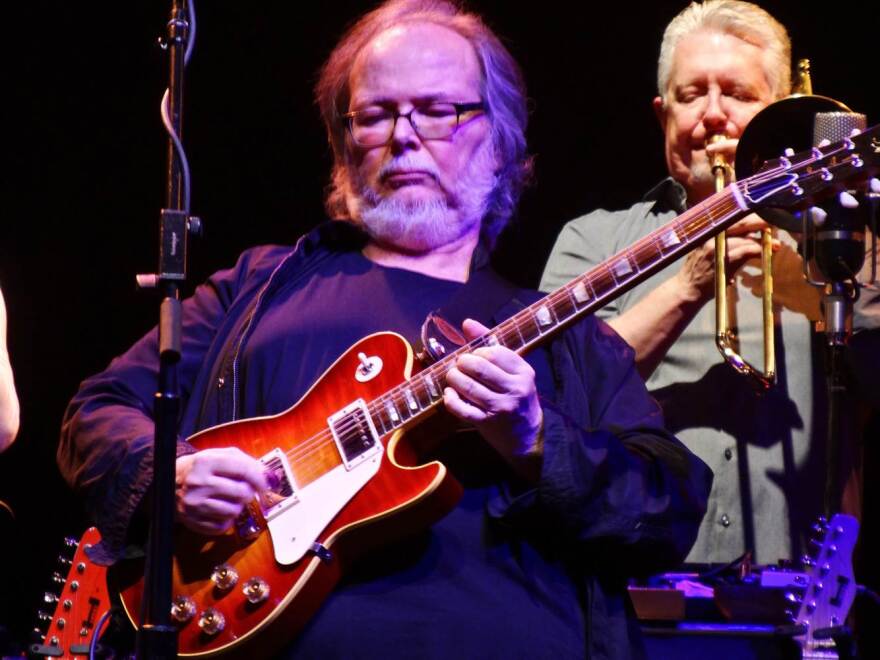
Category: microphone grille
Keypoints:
(834, 126)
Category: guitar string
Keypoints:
(510, 328)
(698, 220)
(702, 218)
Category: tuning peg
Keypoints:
(44, 616)
(64, 561)
(50, 598)
(71, 542)
(793, 598)
(847, 201)
(818, 215)
(57, 578)
(790, 615)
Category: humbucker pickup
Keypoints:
(354, 433)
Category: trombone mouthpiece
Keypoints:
(717, 161)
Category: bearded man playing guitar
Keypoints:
(568, 481)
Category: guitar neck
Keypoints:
(583, 295)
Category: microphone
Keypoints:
(839, 236)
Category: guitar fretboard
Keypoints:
(583, 295)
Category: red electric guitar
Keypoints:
(80, 606)
(345, 478)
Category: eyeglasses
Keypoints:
(374, 127)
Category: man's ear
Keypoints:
(660, 111)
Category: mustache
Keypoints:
(408, 163)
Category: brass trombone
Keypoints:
(724, 337)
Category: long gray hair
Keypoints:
(502, 89)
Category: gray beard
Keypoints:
(419, 226)
(415, 226)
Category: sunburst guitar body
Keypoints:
(339, 486)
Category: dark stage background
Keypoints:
(85, 154)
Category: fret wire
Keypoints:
(525, 327)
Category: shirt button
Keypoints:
(725, 520)
(728, 453)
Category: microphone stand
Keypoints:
(157, 637)
(839, 251)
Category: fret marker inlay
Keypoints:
(432, 387)
(393, 415)
(543, 316)
(622, 267)
(669, 239)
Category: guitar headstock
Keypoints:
(831, 586)
(795, 181)
(79, 605)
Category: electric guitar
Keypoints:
(831, 587)
(80, 606)
(344, 478)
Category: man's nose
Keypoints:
(714, 116)
(404, 136)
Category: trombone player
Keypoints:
(720, 63)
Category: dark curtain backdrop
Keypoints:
(84, 156)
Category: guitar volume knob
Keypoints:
(183, 609)
(224, 577)
(256, 590)
(211, 621)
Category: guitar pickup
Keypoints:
(354, 433)
(281, 494)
